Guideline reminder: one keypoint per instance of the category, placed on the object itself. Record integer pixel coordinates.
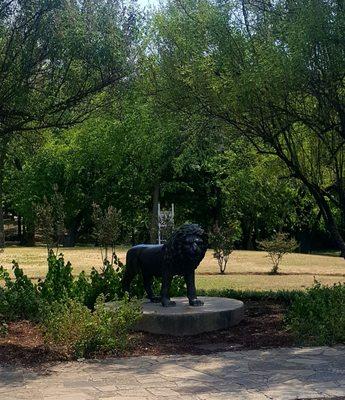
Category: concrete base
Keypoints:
(183, 319)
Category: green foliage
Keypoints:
(82, 332)
(261, 79)
(106, 282)
(63, 81)
(64, 306)
(279, 245)
(284, 296)
(178, 287)
(19, 296)
(317, 316)
(3, 329)
(58, 283)
(222, 241)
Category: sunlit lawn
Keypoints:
(246, 269)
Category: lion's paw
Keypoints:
(168, 303)
(155, 299)
(196, 303)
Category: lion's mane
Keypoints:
(174, 251)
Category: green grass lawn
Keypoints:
(247, 270)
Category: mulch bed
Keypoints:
(263, 327)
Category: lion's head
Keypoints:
(187, 245)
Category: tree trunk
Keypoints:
(19, 228)
(154, 216)
(2, 175)
(29, 235)
(320, 199)
(247, 235)
(70, 239)
(328, 218)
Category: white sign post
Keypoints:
(165, 223)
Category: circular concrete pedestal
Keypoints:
(183, 319)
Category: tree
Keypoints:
(223, 240)
(56, 60)
(274, 73)
(107, 227)
(276, 247)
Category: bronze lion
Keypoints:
(181, 255)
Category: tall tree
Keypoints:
(56, 57)
(274, 72)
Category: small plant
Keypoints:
(106, 282)
(18, 296)
(81, 332)
(3, 329)
(277, 247)
(58, 283)
(317, 316)
(107, 229)
(222, 240)
(50, 220)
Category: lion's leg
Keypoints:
(131, 270)
(128, 276)
(165, 298)
(191, 290)
(148, 288)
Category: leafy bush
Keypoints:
(178, 287)
(277, 247)
(58, 283)
(317, 316)
(80, 332)
(284, 296)
(19, 296)
(3, 329)
(106, 282)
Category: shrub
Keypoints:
(80, 332)
(222, 241)
(58, 283)
(283, 296)
(50, 218)
(178, 287)
(106, 282)
(107, 228)
(114, 325)
(3, 329)
(18, 297)
(277, 247)
(317, 316)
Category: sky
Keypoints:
(148, 3)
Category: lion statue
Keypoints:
(179, 256)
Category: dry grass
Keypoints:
(246, 269)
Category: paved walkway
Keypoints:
(254, 375)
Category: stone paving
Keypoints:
(290, 373)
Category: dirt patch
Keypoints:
(262, 327)
(24, 345)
